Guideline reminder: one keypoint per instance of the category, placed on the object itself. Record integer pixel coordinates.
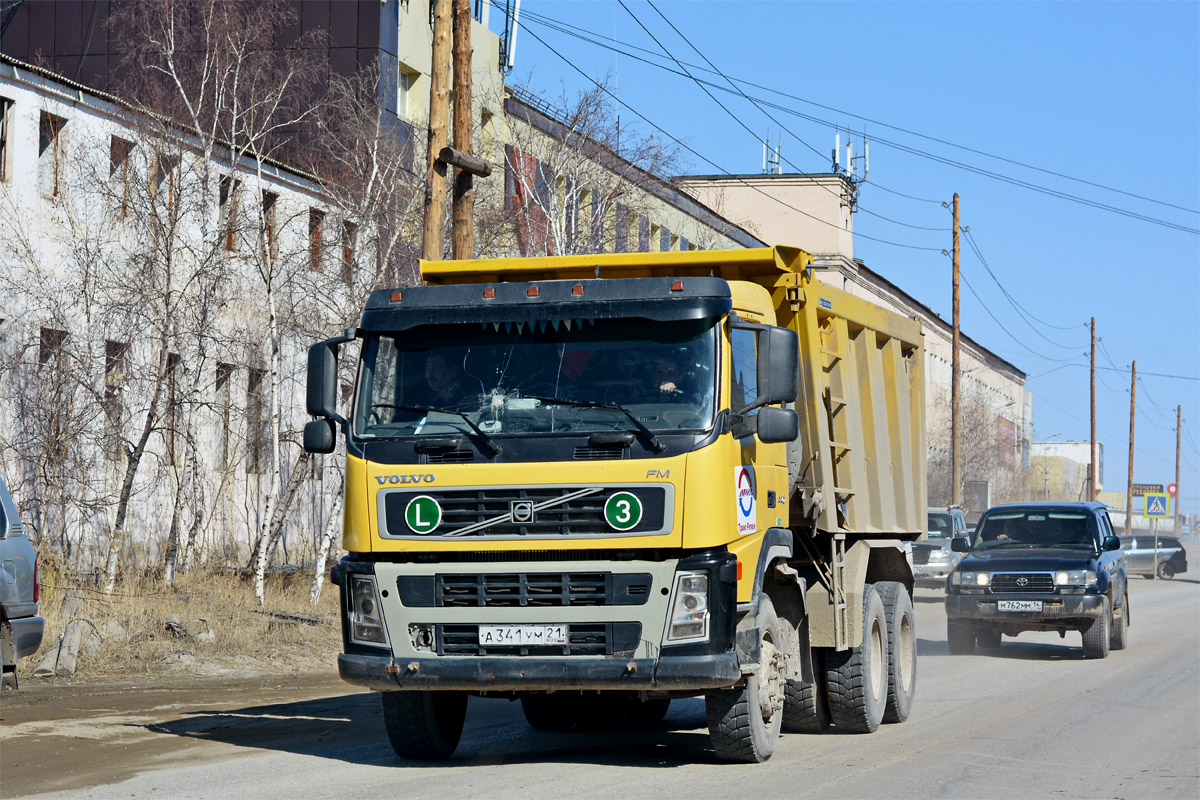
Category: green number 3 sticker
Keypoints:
(623, 511)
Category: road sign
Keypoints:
(1140, 489)
(1172, 489)
(1157, 505)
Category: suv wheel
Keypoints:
(960, 636)
(1097, 634)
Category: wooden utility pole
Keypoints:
(1093, 471)
(1175, 499)
(439, 106)
(1129, 491)
(955, 376)
(462, 233)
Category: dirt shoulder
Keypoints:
(61, 735)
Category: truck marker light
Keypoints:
(739, 563)
(533, 291)
(577, 289)
(397, 296)
(676, 286)
(489, 292)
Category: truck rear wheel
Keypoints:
(960, 636)
(902, 649)
(805, 706)
(424, 725)
(744, 722)
(857, 679)
(1096, 636)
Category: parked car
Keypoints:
(20, 626)
(932, 559)
(1039, 567)
(1140, 556)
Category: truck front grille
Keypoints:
(584, 639)
(523, 589)
(1005, 582)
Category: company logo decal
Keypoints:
(1022, 581)
(399, 480)
(522, 511)
(745, 502)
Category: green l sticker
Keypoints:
(423, 514)
(623, 511)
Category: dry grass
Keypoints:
(287, 633)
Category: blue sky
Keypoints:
(1103, 92)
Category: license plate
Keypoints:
(500, 635)
(1018, 605)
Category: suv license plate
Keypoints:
(1018, 605)
(500, 635)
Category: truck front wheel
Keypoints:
(856, 679)
(744, 722)
(424, 725)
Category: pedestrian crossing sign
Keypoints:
(1157, 505)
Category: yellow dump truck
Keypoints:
(597, 483)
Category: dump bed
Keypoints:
(858, 466)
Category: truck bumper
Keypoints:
(26, 635)
(1054, 607)
(384, 673)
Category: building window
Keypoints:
(172, 419)
(316, 230)
(270, 202)
(406, 89)
(257, 422)
(228, 191)
(164, 179)
(224, 404)
(115, 355)
(349, 243)
(51, 158)
(118, 173)
(50, 347)
(5, 109)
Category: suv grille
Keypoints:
(557, 511)
(1011, 582)
(583, 639)
(547, 589)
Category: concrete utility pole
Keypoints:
(955, 376)
(1129, 491)
(1094, 470)
(1175, 499)
(463, 233)
(439, 105)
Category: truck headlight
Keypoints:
(689, 608)
(1076, 579)
(366, 622)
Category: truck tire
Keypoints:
(960, 636)
(549, 712)
(988, 637)
(1120, 628)
(805, 705)
(902, 649)
(1097, 633)
(424, 725)
(744, 722)
(857, 679)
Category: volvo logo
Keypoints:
(522, 511)
(404, 479)
(1022, 581)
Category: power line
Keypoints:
(1011, 335)
(570, 31)
(709, 161)
(1020, 308)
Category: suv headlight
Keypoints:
(1077, 580)
(970, 582)
(366, 621)
(689, 609)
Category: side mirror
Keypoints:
(777, 425)
(960, 544)
(321, 399)
(778, 366)
(319, 436)
(1110, 543)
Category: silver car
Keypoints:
(933, 559)
(1140, 558)
(20, 626)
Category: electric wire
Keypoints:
(709, 161)
(970, 236)
(1010, 334)
(570, 31)
(1169, 417)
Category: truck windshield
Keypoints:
(506, 378)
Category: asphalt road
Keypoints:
(1032, 720)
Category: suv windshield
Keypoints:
(1030, 528)
(941, 525)
(538, 378)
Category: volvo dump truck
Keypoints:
(597, 483)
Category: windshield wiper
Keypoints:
(655, 444)
(495, 448)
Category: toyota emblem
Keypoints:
(1022, 581)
